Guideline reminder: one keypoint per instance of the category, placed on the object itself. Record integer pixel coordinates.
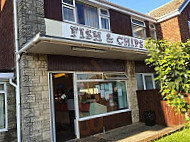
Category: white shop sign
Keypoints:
(83, 33)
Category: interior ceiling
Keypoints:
(62, 49)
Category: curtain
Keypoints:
(91, 16)
(2, 111)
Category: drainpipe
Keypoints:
(17, 85)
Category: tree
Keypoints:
(172, 65)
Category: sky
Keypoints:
(142, 6)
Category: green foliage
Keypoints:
(172, 66)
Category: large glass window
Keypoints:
(152, 31)
(145, 81)
(100, 97)
(3, 116)
(139, 29)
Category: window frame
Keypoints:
(105, 17)
(145, 36)
(5, 109)
(143, 80)
(154, 29)
(100, 80)
(73, 7)
(69, 6)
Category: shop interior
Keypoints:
(64, 106)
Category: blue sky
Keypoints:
(142, 6)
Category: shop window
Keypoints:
(139, 29)
(152, 31)
(85, 14)
(101, 97)
(145, 81)
(3, 107)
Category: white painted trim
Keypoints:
(184, 6)
(105, 114)
(168, 16)
(124, 10)
(6, 75)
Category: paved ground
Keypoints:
(137, 132)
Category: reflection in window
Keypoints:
(145, 81)
(101, 97)
(68, 14)
(152, 31)
(105, 20)
(139, 30)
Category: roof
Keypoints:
(122, 9)
(168, 8)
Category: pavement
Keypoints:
(137, 132)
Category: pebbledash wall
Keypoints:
(35, 111)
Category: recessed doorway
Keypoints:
(63, 106)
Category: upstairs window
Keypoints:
(139, 29)
(145, 81)
(85, 14)
(3, 107)
(189, 26)
(105, 19)
(68, 10)
(152, 31)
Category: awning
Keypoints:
(44, 44)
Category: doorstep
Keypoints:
(137, 132)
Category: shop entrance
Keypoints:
(63, 106)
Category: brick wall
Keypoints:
(35, 114)
(6, 36)
(175, 29)
(11, 134)
(183, 23)
(170, 30)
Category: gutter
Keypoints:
(17, 85)
(52, 39)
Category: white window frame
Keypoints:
(6, 115)
(143, 79)
(145, 36)
(153, 29)
(70, 7)
(73, 7)
(105, 17)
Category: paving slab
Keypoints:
(137, 132)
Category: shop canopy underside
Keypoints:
(59, 46)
